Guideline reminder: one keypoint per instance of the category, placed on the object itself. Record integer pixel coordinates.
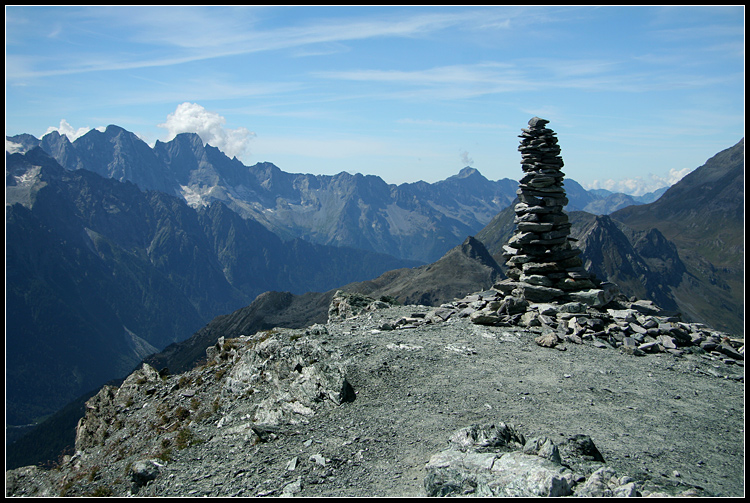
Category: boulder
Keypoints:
(516, 474)
(143, 471)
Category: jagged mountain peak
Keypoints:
(417, 221)
(474, 249)
(467, 172)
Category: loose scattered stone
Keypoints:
(620, 322)
(548, 340)
(245, 423)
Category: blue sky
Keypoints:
(638, 96)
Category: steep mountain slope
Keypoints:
(100, 274)
(703, 215)
(465, 268)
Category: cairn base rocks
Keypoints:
(601, 317)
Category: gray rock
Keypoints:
(537, 293)
(304, 374)
(666, 342)
(598, 484)
(631, 350)
(649, 347)
(317, 329)
(708, 345)
(484, 318)
(544, 448)
(346, 305)
(579, 447)
(728, 350)
(548, 339)
(144, 471)
(292, 464)
(292, 488)
(318, 459)
(480, 437)
(637, 328)
(593, 297)
(513, 305)
(516, 474)
(444, 313)
(628, 490)
(467, 472)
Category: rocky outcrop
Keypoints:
(496, 460)
(295, 379)
(347, 305)
(270, 381)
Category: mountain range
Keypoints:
(640, 259)
(417, 221)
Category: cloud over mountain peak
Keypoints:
(193, 118)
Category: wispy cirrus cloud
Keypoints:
(453, 125)
(457, 81)
(172, 36)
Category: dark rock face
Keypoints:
(703, 215)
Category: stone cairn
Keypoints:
(542, 265)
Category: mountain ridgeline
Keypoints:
(416, 221)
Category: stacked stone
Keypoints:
(538, 255)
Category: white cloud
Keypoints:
(193, 118)
(638, 186)
(466, 160)
(67, 130)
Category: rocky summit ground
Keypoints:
(239, 425)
